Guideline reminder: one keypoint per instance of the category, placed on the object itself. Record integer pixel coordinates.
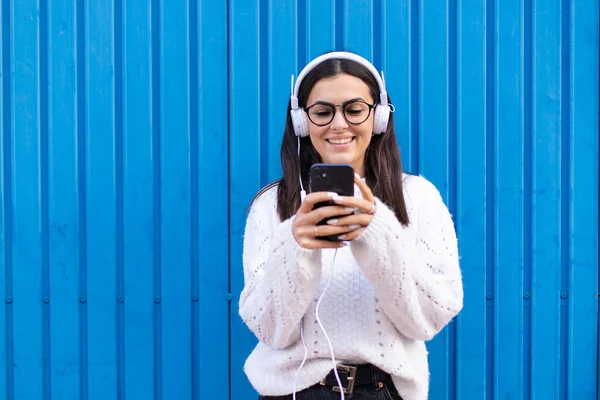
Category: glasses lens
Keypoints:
(321, 114)
(357, 112)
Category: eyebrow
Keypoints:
(325, 103)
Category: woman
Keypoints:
(371, 300)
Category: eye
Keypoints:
(355, 111)
(321, 111)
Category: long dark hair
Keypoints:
(383, 166)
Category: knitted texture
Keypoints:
(392, 289)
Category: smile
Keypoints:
(340, 141)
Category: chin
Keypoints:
(339, 160)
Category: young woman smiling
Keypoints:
(370, 301)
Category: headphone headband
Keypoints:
(344, 55)
(298, 115)
(382, 109)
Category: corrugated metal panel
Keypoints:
(135, 133)
(114, 270)
(488, 98)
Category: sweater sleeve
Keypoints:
(415, 269)
(280, 277)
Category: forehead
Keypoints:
(338, 89)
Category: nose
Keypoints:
(339, 122)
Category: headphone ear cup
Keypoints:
(300, 122)
(382, 116)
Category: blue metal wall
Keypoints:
(134, 133)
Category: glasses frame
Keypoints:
(343, 106)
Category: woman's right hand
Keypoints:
(305, 228)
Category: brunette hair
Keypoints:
(383, 165)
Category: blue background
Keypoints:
(135, 132)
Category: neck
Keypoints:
(359, 169)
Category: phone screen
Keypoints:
(337, 178)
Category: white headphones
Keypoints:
(382, 110)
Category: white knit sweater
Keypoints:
(392, 288)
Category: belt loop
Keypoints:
(375, 377)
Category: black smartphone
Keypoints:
(337, 178)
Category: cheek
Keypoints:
(366, 132)
(366, 129)
(315, 133)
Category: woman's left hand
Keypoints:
(366, 207)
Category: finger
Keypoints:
(355, 219)
(313, 198)
(304, 224)
(352, 235)
(311, 232)
(327, 230)
(364, 189)
(350, 201)
(315, 216)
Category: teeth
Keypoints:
(340, 141)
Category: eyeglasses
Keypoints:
(354, 111)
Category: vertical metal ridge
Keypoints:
(458, 187)
(597, 374)
(339, 25)
(451, 26)
(414, 87)
(264, 55)
(119, 192)
(527, 65)
(301, 34)
(377, 34)
(229, 30)
(565, 190)
(7, 195)
(571, 29)
(193, 69)
(572, 23)
(383, 40)
(43, 129)
(81, 38)
(490, 193)
(156, 194)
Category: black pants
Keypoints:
(319, 392)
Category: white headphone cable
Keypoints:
(303, 359)
(335, 371)
(337, 376)
(302, 191)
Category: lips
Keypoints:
(340, 141)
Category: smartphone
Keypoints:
(337, 178)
